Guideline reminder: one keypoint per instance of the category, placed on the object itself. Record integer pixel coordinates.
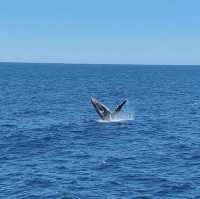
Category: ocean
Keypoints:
(53, 145)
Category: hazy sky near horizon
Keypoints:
(100, 31)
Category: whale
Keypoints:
(104, 112)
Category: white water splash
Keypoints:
(120, 118)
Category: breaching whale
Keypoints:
(104, 112)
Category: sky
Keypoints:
(100, 31)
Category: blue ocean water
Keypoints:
(53, 146)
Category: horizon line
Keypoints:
(76, 63)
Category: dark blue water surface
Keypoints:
(52, 145)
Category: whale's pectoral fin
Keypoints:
(118, 109)
(101, 109)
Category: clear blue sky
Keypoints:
(100, 31)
